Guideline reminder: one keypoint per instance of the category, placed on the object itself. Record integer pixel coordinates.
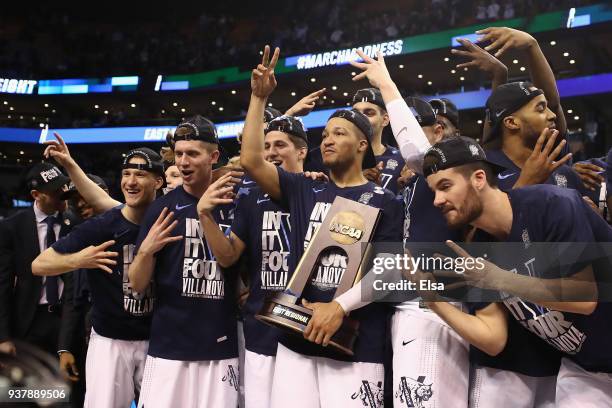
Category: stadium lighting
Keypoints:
(313, 79)
(429, 83)
(479, 122)
(42, 125)
(401, 66)
(11, 108)
(233, 92)
(174, 104)
(446, 59)
(515, 61)
(21, 152)
(522, 68)
(270, 104)
(553, 43)
(572, 61)
(324, 96)
(345, 93)
(53, 111)
(566, 54)
(106, 112)
(133, 105)
(420, 76)
(33, 117)
(212, 103)
(332, 101)
(576, 117)
(182, 109)
(570, 111)
(5, 102)
(46, 105)
(163, 111)
(96, 106)
(453, 71)
(461, 78)
(353, 73)
(334, 87)
(292, 93)
(221, 108)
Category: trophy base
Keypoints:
(282, 310)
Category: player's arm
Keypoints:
(305, 105)
(52, 263)
(542, 76)
(487, 329)
(93, 194)
(226, 250)
(252, 159)
(409, 135)
(140, 271)
(580, 288)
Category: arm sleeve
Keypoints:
(292, 187)
(410, 138)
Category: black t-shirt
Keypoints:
(308, 202)
(195, 314)
(544, 213)
(117, 311)
(264, 228)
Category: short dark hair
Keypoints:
(298, 142)
(466, 170)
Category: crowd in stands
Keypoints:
(48, 42)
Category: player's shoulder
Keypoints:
(545, 198)
(376, 195)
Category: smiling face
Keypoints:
(457, 196)
(139, 186)
(281, 150)
(342, 143)
(173, 177)
(531, 119)
(194, 159)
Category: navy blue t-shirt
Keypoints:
(264, 228)
(308, 202)
(564, 176)
(117, 311)
(544, 213)
(195, 313)
(392, 166)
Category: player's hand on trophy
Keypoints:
(503, 39)
(325, 321)
(305, 105)
(543, 159)
(405, 176)
(480, 59)
(96, 257)
(160, 233)
(374, 70)
(374, 173)
(220, 192)
(58, 150)
(68, 366)
(263, 80)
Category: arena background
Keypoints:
(118, 75)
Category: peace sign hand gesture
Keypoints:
(263, 81)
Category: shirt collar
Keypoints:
(40, 215)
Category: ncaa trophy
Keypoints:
(348, 226)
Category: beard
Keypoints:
(468, 212)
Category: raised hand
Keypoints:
(480, 59)
(305, 105)
(405, 176)
(159, 234)
(58, 150)
(503, 39)
(542, 161)
(374, 70)
(316, 176)
(96, 257)
(263, 81)
(219, 192)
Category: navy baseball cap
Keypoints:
(371, 95)
(505, 100)
(270, 113)
(453, 152)
(199, 128)
(287, 124)
(363, 124)
(444, 107)
(422, 111)
(46, 177)
(154, 162)
(72, 190)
